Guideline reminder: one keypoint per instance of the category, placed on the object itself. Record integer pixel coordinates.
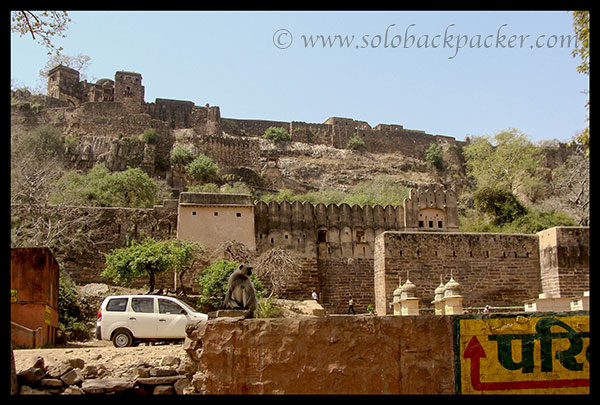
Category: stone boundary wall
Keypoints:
(234, 152)
(323, 355)
(389, 355)
(345, 278)
(110, 228)
(494, 269)
(253, 128)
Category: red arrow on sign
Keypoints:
(475, 352)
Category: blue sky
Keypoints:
(245, 63)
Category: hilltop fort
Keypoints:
(345, 251)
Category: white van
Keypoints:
(130, 319)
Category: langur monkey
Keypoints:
(240, 291)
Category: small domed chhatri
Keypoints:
(452, 298)
(438, 300)
(405, 301)
(408, 290)
(452, 288)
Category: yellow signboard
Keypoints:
(13, 295)
(531, 354)
(47, 315)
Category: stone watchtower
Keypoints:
(63, 84)
(129, 90)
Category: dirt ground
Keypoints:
(118, 362)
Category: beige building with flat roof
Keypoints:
(212, 219)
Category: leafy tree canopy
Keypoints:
(146, 259)
(131, 188)
(504, 160)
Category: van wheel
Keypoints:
(122, 338)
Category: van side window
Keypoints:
(117, 304)
(169, 307)
(145, 305)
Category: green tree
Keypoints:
(502, 205)
(276, 134)
(44, 141)
(502, 161)
(535, 221)
(202, 168)
(581, 26)
(131, 188)
(180, 155)
(73, 309)
(146, 259)
(355, 143)
(434, 155)
(185, 255)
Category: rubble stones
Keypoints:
(165, 376)
(30, 375)
(72, 377)
(101, 386)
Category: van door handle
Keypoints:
(132, 319)
(162, 320)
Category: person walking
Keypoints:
(351, 307)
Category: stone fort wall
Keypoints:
(494, 269)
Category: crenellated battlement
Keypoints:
(349, 231)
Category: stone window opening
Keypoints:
(193, 212)
(238, 214)
(216, 214)
(360, 236)
(322, 235)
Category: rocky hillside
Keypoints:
(115, 139)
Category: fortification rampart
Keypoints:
(492, 269)
(323, 230)
(108, 101)
(231, 151)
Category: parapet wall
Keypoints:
(324, 355)
(393, 354)
(494, 269)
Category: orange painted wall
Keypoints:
(34, 277)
